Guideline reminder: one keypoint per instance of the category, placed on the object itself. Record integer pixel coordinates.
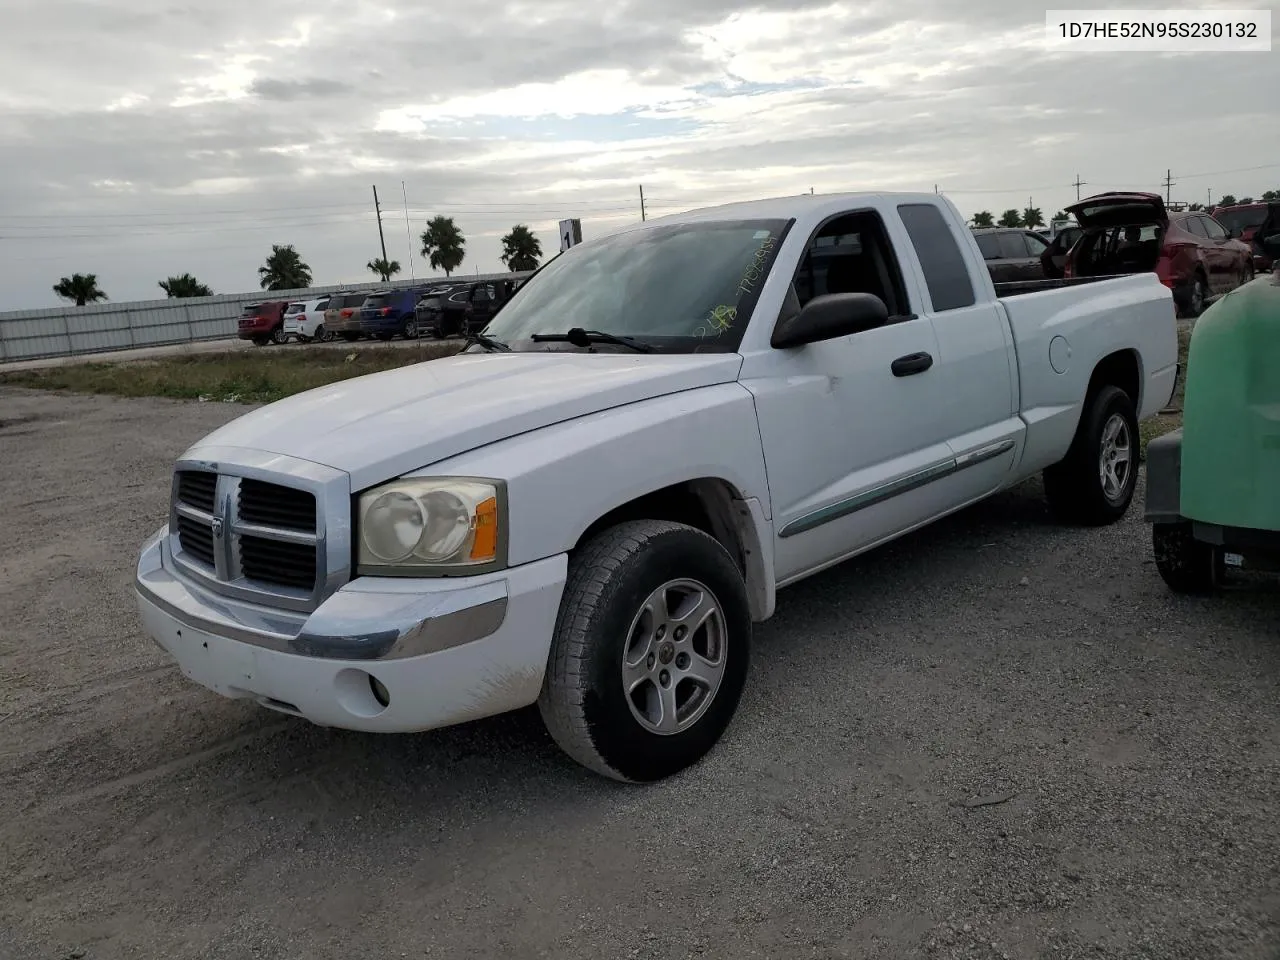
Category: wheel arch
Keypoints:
(1120, 368)
(716, 507)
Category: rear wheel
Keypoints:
(650, 652)
(1094, 483)
(278, 336)
(1186, 564)
(261, 341)
(323, 335)
(1197, 295)
(410, 329)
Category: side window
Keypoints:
(1012, 246)
(851, 253)
(945, 271)
(1195, 225)
(989, 244)
(1035, 245)
(1214, 228)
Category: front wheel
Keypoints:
(650, 653)
(1094, 483)
(1186, 564)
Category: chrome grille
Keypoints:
(249, 537)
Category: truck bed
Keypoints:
(1016, 288)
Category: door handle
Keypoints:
(910, 364)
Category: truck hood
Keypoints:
(380, 426)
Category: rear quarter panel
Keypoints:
(1081, 326)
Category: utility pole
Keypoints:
(1078, 184)
(1168, 186)
(1209, 198)
(378, 210)
(642, 201)
(408, 234)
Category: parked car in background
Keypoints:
(428, 308)
(305, 320)
(1011, 253)
(1189, 251)
(342, 316)
(263, 323)
(467, 308)
(1252, 223)
(1054, 259)
(390, 313)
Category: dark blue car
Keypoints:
(384, 315)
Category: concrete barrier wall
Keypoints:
(101, 327)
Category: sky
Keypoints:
(145, 138)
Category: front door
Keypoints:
(850, 426)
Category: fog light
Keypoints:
(379, 691)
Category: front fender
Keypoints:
(562, 478)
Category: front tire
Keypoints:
(1186, 564)
(1094, 484)
(651, 650)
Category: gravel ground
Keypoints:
(1135, 735)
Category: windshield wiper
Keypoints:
(584, 338)
(487, 342)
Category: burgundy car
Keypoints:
(263, 323)
(1252, 223)
(1190, 251)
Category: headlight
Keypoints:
(416, 527)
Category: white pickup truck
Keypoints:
(591, 505)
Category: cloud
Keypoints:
(189, 137)
(316, 88)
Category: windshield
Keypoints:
(1241, 217)
(682, 287)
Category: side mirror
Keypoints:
(830, 316)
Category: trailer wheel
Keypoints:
(1094, 483)
(650, 652)
(1186, 565)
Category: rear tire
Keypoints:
(1197, 295)
(1094, 483)
(1186, 564)
(351, 337)
(410, 329)
(278, 336)
(261, 341)
(628, 622)
(323, 335)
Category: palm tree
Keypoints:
(984, 218)
(443, 244)
(80, 287)
(284, 270)
(521, 250)
(184, 286)
(1032, 218)
(1010, 218)
(1062, 215)
(384, 268)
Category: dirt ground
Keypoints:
(1132, 737)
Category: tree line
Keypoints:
(443, 246)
